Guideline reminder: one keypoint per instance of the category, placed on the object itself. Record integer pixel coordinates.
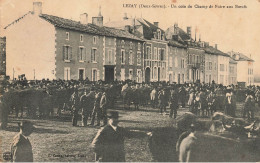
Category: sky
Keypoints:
(236, 29)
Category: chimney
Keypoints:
(127, 28)
(84, 18)
(37, 8)
(216, 46)
(176, 30)
(156, 24)
(189, 31)
(206, 44)
(125, 16)
(99, 19)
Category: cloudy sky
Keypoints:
(235, 29)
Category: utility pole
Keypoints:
(13, 73)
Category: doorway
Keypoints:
(81, 74)
(109, 73)
(147, 75)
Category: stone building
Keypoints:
(245, 68)
(232, 71)
(46, 46)
(155, 46)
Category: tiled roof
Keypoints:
(242, 57)
(89, 28)
(231, 60)
(215, 51)
(176, 44)
(73, 25)
(116, 32)
(148, 28)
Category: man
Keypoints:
(21, 148)
(96, 109)
(75, 103)
(249, 107)
(230, 103)
(103, 106)
(109, 141)
(174, 103)
(87, 105)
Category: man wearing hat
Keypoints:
(109, 141)
(21, 148)
(75, 103)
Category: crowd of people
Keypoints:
(92, 99)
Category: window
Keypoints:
(139, 76)
(159, 34)
(162, 57)
(148, 52)
(110, 58)
(123, 44)
(210, 65)
(222, 67)
(94, 39)
(131, 74)
(94, 74)
(122, 56)
(231, 69)
(138, 58)
(82, 54)
(81, 73)
(81, 38)
(139, 46)
(170, 62)
(155, 72)
(130, 58)
(197, 59)
(176, 62)
(67, 36)
(122, 74)
(155, 54)
(67, 53)
(94, 55)
(131, 45)
(66, 73)
(182, 63)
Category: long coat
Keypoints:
(21, 149)
(109, 144)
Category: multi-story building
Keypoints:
(155, 47)
(245, 68)
(211, 64)
(177, 63)
(46, 46)
(232, 71)
(2, 55)
(223, 69)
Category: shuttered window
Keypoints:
(67, 53)
(82, 54)
(94, 55)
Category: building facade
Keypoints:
(59, 48)
(232, 71)
(245, 68)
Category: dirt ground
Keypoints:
(55, 140)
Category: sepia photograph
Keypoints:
(129, 81)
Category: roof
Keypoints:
(211, 50)
(176, 44)
(77, 26)
(242, 57)
(17, 20)
(148, 28)
(231, 60)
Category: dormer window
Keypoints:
(67, 36)
(159, 34)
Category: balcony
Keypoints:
(194, 65)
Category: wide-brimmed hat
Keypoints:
(113, 114)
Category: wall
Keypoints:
(75, 64)
(211, 74)
(175, 68)
(30, 48)
(223, 77)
